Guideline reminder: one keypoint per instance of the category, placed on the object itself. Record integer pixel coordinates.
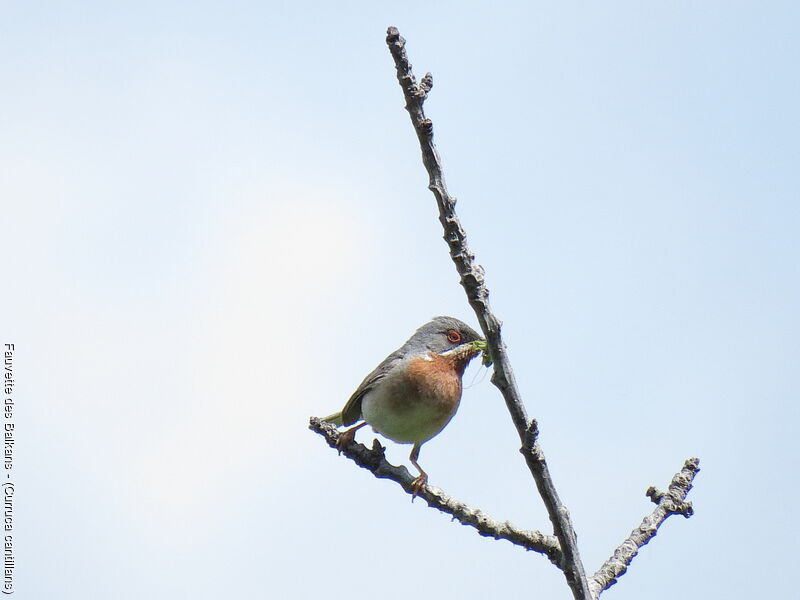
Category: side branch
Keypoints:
(374, 460)
(671, 502)
(472, 280)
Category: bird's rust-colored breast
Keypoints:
(439, 376)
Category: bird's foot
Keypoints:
(418, 485)
(347, 437)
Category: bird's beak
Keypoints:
(482, 346)
(466, 352)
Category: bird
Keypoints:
(415, 392)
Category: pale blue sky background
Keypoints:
(215, 222)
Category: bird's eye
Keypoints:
(453, 336)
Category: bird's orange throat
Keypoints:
(459, 358)
(441, 373)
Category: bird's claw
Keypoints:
(418, 485)
(345, 439)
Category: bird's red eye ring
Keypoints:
(453, 336)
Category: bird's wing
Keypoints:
(352, 410)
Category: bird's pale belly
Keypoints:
(398, 411)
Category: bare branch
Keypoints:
(375, 462)
(472, 279)
(671, 502)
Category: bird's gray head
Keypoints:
(440, 335)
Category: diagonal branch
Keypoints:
(671, 502)
(375, 461)
(472, 280)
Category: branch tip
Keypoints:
(671, 502)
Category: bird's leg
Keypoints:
(347, 437)
(421, 481)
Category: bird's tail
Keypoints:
(335, 418)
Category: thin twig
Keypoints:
(472, 279)
(671, 502)
(374, 460)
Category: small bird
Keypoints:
(416, 390)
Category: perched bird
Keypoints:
(416, 390)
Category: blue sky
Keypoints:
(216, 222)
